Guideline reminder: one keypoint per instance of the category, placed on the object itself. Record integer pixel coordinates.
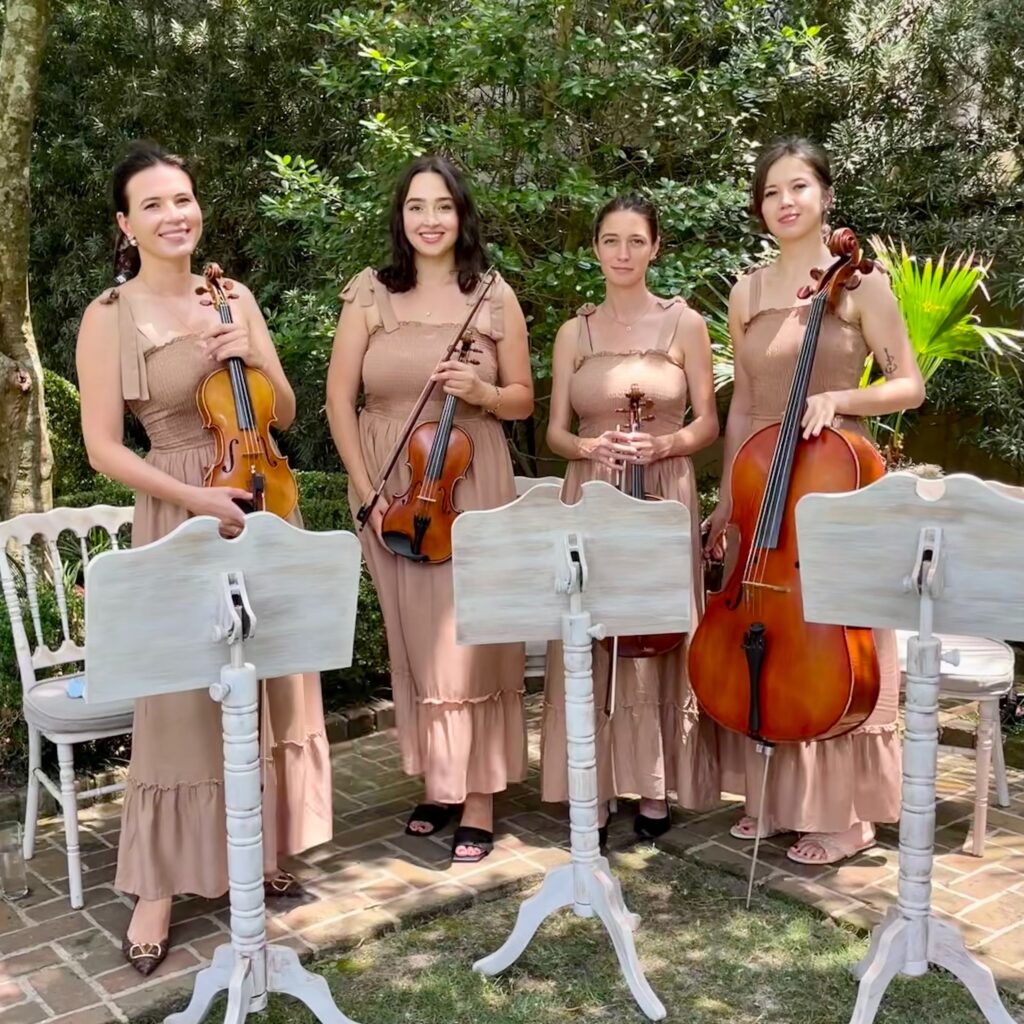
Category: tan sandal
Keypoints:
(283, 886)
(836, 846)
(746, 828)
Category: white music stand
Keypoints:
(194, 610)
(931, 555)
(538, 569)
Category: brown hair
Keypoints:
(791, 145)
(632, 203)
(141, 155)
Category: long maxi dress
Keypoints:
(458, 710)
(654, 741)
(173, 833)
(830, 785)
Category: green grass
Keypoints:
(708, 959)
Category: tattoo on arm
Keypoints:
(890, 364)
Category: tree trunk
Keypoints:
(26, 462)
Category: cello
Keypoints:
(646, 645)
(755, 666)
(236, 403)
(417, 524)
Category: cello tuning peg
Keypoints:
(853, 283)
(201, 290)
(866, 265)
(232, 295)
(473, 362)
(206, 302)
(227, 285)
(805, 293)
(816, 273)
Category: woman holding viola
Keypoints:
(458, 710)
(650, 739)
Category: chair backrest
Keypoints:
(31, 558)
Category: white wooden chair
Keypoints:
(984, 674)
(537, 650)
(48, 709)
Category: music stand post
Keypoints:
(207, 590)
(963, 544)
(538, 569)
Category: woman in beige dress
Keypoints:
(458, 710)
(653, 740)
(147, 344)
(833, 791)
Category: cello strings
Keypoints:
(774, 494)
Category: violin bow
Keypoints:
(363, 515)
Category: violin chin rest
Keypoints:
(400, 544)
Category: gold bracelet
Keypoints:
(497, 402)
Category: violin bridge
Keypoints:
(423, 497)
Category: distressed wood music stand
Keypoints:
(538, 569)
(932, 555)
(194, 610)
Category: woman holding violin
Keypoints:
(636, 360)
(151, 344)
(832, 790)
(458, 710)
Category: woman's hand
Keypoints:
(375, 522)
(220, 502)
(715, 525)
(461, 380)
(225, 340)
(820, 412)
(613, 449)
(649, 448)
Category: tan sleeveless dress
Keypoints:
(173, 837)
(830, 785)
(458, 710)
(654, 741)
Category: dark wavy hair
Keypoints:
(634, 204)
(140, 156)
(791, 145)
(470, 256)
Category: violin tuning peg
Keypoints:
(227, 285)
(866, 265)
(816, 273)
(473, 362)
(201, 290)
(232, 295)
(805, 293)
(853, 283)
(206, 302)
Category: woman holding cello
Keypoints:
(153, 345)
(458, 710)
(635, 351)
(834, 790)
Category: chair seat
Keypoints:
(48, 707)
(985, 669)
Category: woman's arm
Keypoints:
(99, 381)
(884, 331)
(692, 347)
(344, 380)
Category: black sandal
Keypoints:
(602, 832)
(434, 815)
(652, 828)
(284, 886)
(468, 835)
(145, 957)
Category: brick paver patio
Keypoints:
(62, 965)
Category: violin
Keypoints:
(236, 403)
(418, 523)
(755, 665)
(645, 646)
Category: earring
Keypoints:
(132, 241)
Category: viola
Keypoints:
(418, 523)
(633, 484)
(755, 665)
(237, 404)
